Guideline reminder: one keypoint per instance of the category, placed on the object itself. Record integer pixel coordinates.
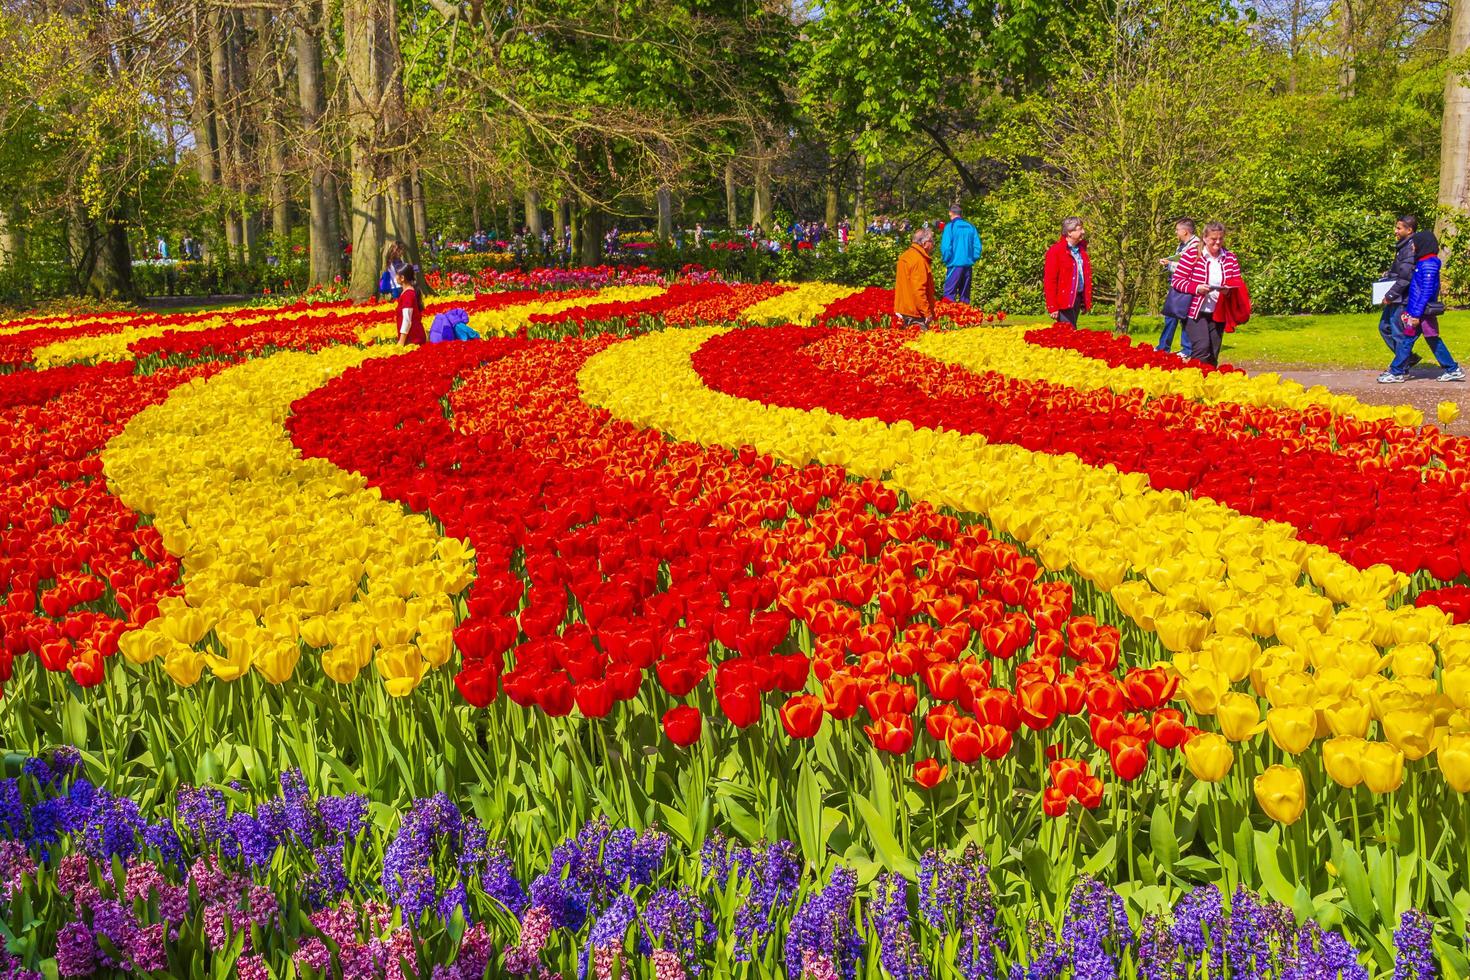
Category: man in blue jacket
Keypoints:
(959, 247)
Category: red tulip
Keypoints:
(1038, 705)
(1089, 792)
(1067, 774)
(964, 740)
(801, 716)
(928, 773)
(478, 686)
(682, 725)
(938, 720)
(1149, 687)
(1168, 728)
(594, 698)
(894, 733)
(741, 703)
(1053, 802)
(1129, 756)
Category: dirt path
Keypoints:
(1423, 392)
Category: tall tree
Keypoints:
(1454, 137)
(324, 220)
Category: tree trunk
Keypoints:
(206, 139)
(860, 201)
(101, 258)
(665, 198)
(732, 214)
(559, 226)
(363, 24)
(761, 208)
(591, 235)
(1454, 151)
(574, 218)
(533, 219)
(510, 216)
(407, 230)
(475, 203)
(227, 126)
(325, 227)
(420, 208)
(12, 237)
(834, 199)
(1347, 80)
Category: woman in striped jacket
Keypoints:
(1207, 273)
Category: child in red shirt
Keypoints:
(410, 309)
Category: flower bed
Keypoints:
(721, 562)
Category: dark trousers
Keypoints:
(1069, 315)
(957, 284)
(1205, 338)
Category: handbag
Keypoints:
(1434, 308)
(1177, 304)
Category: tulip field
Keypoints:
(692, 628)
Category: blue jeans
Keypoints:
(1166, 339)
(1389, 327)
(957, 284)
(1405, 348)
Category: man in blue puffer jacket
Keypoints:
(1420, 316)
(959, 247)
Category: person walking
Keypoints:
(410, 309)
(913, 282)
(1208, 273)
(959, 248)
(1184, 229)
(1421, 316)
(394, 260)
(1067, 274)
(1390, 327)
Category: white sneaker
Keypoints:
(1458, 374)
(1389, 378)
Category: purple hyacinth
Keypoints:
(1413, 945)
(1199, 927)
(252, 967)
(888, 917)
(956, 894)
(499, 880)
(409, 878)
(1048, 959)
(76, 951)
(717, 858)
(11, 968)
(1095, 930)
(676, 921)
(1158, 951)
(823, 926)
(609, 932)
(771, 874)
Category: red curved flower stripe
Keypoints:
(646, 560)
(76, 567)
(1115, 351)
(724, 307)
(1268, 463)
(874, 307)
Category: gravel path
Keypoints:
(1423, 392)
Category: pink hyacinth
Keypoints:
(666, 966)
(817, 966)
(251, 968)
(605, 962)
(524, 956)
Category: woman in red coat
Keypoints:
(410, 309)
(1067, 276)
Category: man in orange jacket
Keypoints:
(913, 285)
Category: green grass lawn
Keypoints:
(1348, 340)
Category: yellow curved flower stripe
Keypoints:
(280, 554)
(63, 324)
(509, 319)
(802, 304)
(1004, 350)
(1209, 580)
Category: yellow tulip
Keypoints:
(1282, 793)
(1239, 716)
(1342, 757)
(1295, 688)
(1456, 681)
(1348, 717)
(1383, 767)
(1411, 731)
(1413, 660)
(1232, 654)
(276, 659)
(144, 645)
(1209, 756)
(1453, 756)
(1447, 412)
(184, 665)
(1292, 729)
(340, 665)
(234, 665)
(1202, 688)
(402, 669)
